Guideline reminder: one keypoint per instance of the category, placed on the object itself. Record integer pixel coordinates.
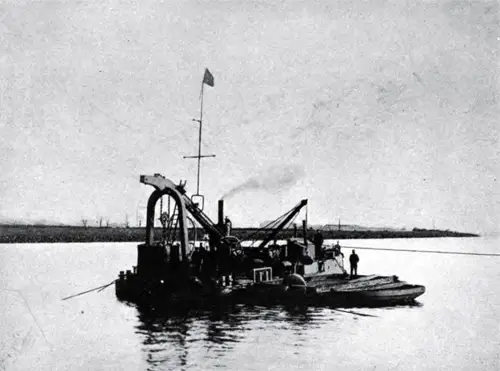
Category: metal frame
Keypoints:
(268, 274)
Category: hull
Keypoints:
(409, 292)
(333, 291)
(381, 296)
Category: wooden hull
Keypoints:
(396, 295)
(373, 289)
(328, 291)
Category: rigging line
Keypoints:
(424, 251)
(86, 292)
(292, 221)
(272, 223)
(284, 227)
(268, 225)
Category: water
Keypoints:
(456, 327)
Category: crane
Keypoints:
(286, 219)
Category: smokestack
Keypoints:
(221, 214)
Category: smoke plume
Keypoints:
(273, 178)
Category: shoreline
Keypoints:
(65, 234)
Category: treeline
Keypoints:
(42, 233)
(348, 235)
(50, 234)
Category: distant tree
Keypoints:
(127, 224)
(107, 222)
(85, 222)
(100, 220)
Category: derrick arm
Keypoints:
(203, 219)
(161, 182)
(291, 214)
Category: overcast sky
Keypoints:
(382, 113)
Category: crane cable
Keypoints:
(271, 224)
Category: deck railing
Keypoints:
(262, 274)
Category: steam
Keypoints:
(273, 178)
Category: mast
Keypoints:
(209, 80)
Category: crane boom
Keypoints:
(291, 214)
(203, 219)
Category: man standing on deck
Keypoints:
(353, 260)
(196, 259)
(318, 243)
(336, 250)
(227, 226)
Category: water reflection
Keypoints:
(163, 339)
(177, 338)
(180, 338)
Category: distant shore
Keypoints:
(51, 234)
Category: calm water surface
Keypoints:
(455, 327)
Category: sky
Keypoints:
(380, 113)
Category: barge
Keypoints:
(174, 269)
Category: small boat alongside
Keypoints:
(373, 290)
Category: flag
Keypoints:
(208, 78)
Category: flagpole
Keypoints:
(207, 79)
(199, 142)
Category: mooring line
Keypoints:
(425, 251)
(99, 289)
(356, 313)
(106, 286)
